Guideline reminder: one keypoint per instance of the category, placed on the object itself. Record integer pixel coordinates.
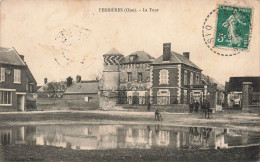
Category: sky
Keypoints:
(61, 38)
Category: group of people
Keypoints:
(205, 108)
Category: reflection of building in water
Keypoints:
(17, 135)
(87, 137)
(163, 138)
(107, 137)
(137, 138)
(220, 138)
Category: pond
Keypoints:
(101, 136)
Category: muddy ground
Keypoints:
(50, 153)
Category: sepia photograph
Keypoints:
(129, 80)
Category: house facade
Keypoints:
(135, 78)
(17, 84)
(169, 79)
(174, 79)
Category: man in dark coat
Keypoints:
(191, 105)
(207, 109)
(149, 106)
(197, 104)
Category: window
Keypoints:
(163, 97)
(185, 96)
(5, 98)
(164, 76)
(132, 58)
(129, 77)
(191, 78)
(140, 77)
(31, 88)
(2, 79)
(197, 79)
(17, 76)
(185, 77)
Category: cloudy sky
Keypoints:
(61, 38)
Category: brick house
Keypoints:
(17, 84)
(174, 77)
(135, 78)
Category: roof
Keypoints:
(82, 88)
(141, 56)
(209, 80)
(175, 59)
(113, 51)
(30, 76)
(11, 57)
(236, 83)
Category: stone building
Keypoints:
(243, 90)
(169, 79)
(135, 78)
(109, 84)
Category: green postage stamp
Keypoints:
(233, 27)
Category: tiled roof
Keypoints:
(211, 80)
(175, 59)
(142, 56)
(82, 88)
(10, 56)
(236, 83)
(113, 51)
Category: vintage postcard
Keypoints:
(132, 80)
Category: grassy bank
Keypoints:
(49, 153)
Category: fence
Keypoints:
(143, 100)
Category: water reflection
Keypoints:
(96, 137)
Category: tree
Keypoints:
(69, 81)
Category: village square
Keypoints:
(129, 83)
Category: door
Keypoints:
(20, 102)
(196, 96)
(163, 97)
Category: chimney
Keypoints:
(45, 80)
(166, 51)
(186, 54)
(22, 57)
(78, 79)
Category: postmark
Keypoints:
(212, 35)
(233, 27)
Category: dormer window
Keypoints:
(132, 58)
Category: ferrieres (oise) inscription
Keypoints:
(233, 27)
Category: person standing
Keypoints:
(197, 104)
(208, 110)
(191, 105)
(149, 106)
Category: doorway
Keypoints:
(20, 102)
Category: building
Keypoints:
(236, 89)
(135, 78)
(175, 79)
(17, 84)
(80, 95)
(169, 79)
(110, 81)
(214, 92)
(83, 93)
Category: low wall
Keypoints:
(68, 102)
(182, 108)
